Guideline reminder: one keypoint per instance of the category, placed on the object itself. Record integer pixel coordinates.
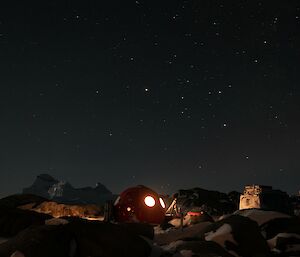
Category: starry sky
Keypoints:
(169, 94)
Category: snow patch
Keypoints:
(172, 246)
(261, 216)
(56, 222)
(272, 242)
(17, 254)
(221, 236)
(3, 240)
(293, 248)
(187, 253)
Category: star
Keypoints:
(168, 85)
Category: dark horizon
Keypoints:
(172, 95)
(168, 191)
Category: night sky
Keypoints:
(169, 94)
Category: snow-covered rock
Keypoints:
(238, 235)
(261, 216)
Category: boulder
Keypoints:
(195, 231)
(78, 238)
(286, 244)
(105, 239)
(239, 235)
(283, 235)
(202, 248)
(14, 201)
(46, 241)
(280, 225)
(261, 216)
(13, 220)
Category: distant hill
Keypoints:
(63, 192)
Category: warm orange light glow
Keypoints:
(162, 203)
(149, 201)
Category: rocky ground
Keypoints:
(24, 232)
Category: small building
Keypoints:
(266, 198)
